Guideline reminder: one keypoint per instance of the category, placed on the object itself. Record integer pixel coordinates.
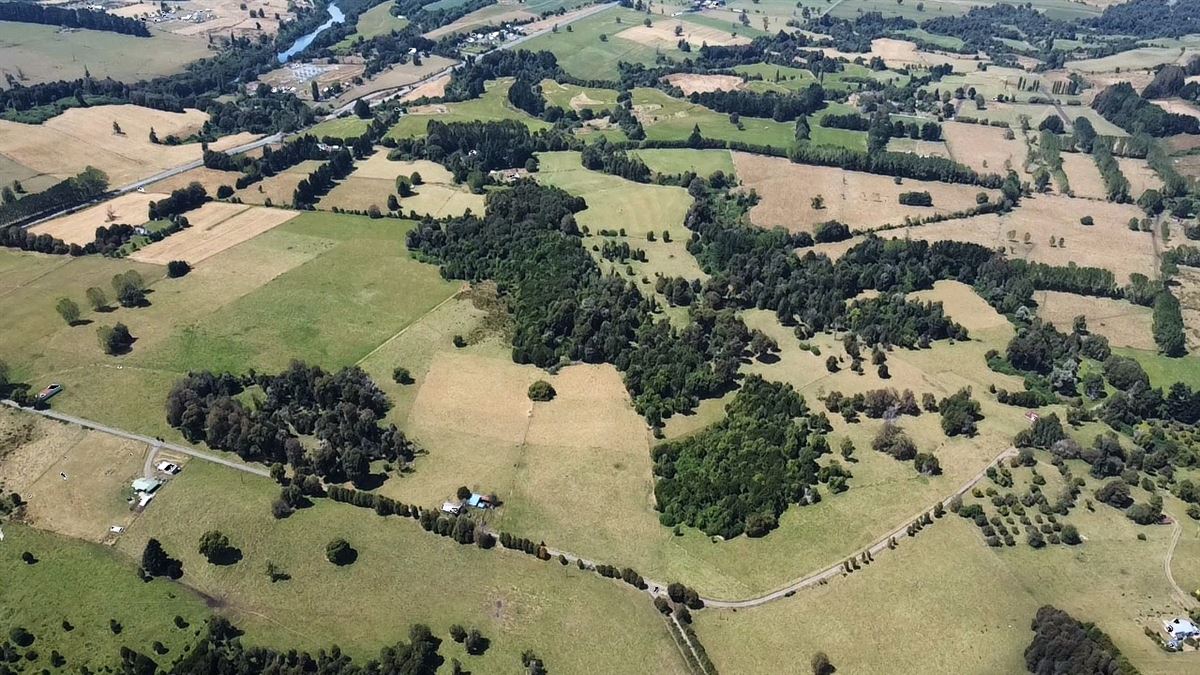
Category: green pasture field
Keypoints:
(946, 41)
(1141, 58)
(728, 21)
(672, 161)
(574, 620)
(350, 127)
(87, 585)
(444, 4)
(379, 21)
(677, 117)
(1164, 370)
(790, 79)
(323, 287)
(1112, 579)
(492, 106)
(44, 54)
(594, 98)
(581, 53)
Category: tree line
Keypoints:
(781, 107)
(89, 183)
(342, 409)
(91, 19)
(1121, 105)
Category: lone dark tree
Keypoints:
(214, 546)
(156, 562)
(68, 310)
(96, 298)
(821, 664)
(339, 552)
(541, 390)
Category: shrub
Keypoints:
(916, 198)
(178, 268)
(541, 391)
(339, 552)
(1087, 220)
(401, 375)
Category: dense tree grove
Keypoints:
(1150, 18)
(1061, 644)
(321, 180)
(1168, 325)
(91, 19)
(602, 156)
(777, 106)
(1121, 105)
(901, 164)
(342, 410)
(985, 28)
(740, 474)
(271, 162)
(180, 200)
(566, 310)
(478, 147)
(91, 182)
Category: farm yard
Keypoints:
(860, 200)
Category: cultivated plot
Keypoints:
(212, 232)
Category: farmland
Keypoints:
(375, 179)
(36, 53)
(582, 53)
(492, 106)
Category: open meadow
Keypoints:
(582, 52)
(575, 620)
(493, 106)
(1122, 322)
(374, 180)
(36, 53)
(790, 192)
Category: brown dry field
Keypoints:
(226, 142)
(1141, 177)
(487, 16)
(434, 88)
(963, 305)
(477, 395)
(901, 53)
(1122, 322)
(1044, 216)
(211, 179)
(662, 34)
(229, 16)
(1175, 105)
(398, 76)
(690, 83)
(80, 227)
(33, 454)
(278, 188)
(984, 148)
(861, 200)
(213, 232)
(436, 199)
(1188, 293)
(64, 145)
(1083, 175)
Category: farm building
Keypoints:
(451, 507)
(146, 485)
(478, 501)
(1181, 629)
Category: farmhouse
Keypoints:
(1181, 628)
(147, 485)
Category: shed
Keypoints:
(478, 501)
(451, 507)
(146, 484)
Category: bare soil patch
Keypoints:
(1108, 243)
(860, 200)
(984, 148)
(691, 83)
(212, 232)
(80, 227)
(1122, 322)
(662, 34)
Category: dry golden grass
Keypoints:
(923, 148)
(233, 140)
(1122, 322)
(277, 189)
(1188, 293)
(1042, 217)
(98, 468)
(493, 15)
(80, 227)
(861, 200)
(213, 230)
(478, 395)
(662, 34)
(211, 179)
(375, 179)
(433, 89)
(64, 145)
(691, 83)
(984, 148)
(1141, 177)
(401, 75)
(902, 53)
(1084, 177)
(1178, 106)
(963, 305)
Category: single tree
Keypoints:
(68, 310)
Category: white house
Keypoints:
(1181, 628)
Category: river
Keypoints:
(335, 16)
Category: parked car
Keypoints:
(45, 394)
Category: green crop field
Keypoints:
(581, 52)
(670, 161)
(574, 620)
(342, 127)
(673, 120)
(492, 106)
(87, 585)
(44, 54)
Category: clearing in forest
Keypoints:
(1122, 322)
(375, 179)
(791, 194)
(691, 83)
(661, 34)
(1083, 175)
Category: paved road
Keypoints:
(152, 442)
